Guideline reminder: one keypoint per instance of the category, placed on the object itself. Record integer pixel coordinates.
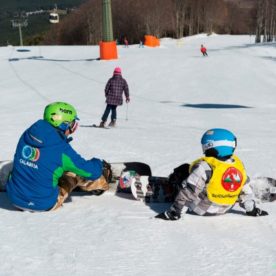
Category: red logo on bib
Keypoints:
(231, 179)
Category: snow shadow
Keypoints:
(270, 58)
(159, 207)
(215, 106)
(5, 202)
(124, 195)
(23, 50)
(41, 58)
(162, 207)
(245, 46)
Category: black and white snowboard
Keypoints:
(264, 188)
(154, 189)
(122, 172)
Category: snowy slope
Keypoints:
(176, 95)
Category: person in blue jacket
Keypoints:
(46, 168)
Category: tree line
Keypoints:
(166, 18)
(266, 21)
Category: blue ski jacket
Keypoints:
(42, 155)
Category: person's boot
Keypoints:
(112, 123)
(102, 124)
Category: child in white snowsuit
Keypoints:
(215, 182)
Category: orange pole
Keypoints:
(151, 41)
(108, 50)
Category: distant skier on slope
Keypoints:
(114, 90)
(203, 50)
(212, 184)
(46, 168)
(126, 42)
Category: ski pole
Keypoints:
(127, 112)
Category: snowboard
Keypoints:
(95, 126)
(122, 173)
(5, 169)
(154, 189)
(264, 188)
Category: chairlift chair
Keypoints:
(54, 18)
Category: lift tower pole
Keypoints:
(108, 47)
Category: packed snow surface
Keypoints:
(176, 95)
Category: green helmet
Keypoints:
(60, 115)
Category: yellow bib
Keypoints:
(227, 180)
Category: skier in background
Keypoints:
(114, 90)
(126, 42)
(212, 184)
(46, 168)
(203, 50)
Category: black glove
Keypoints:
(107, 173)
(168, 215)
(256, 212)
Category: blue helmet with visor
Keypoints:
(219, 143)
